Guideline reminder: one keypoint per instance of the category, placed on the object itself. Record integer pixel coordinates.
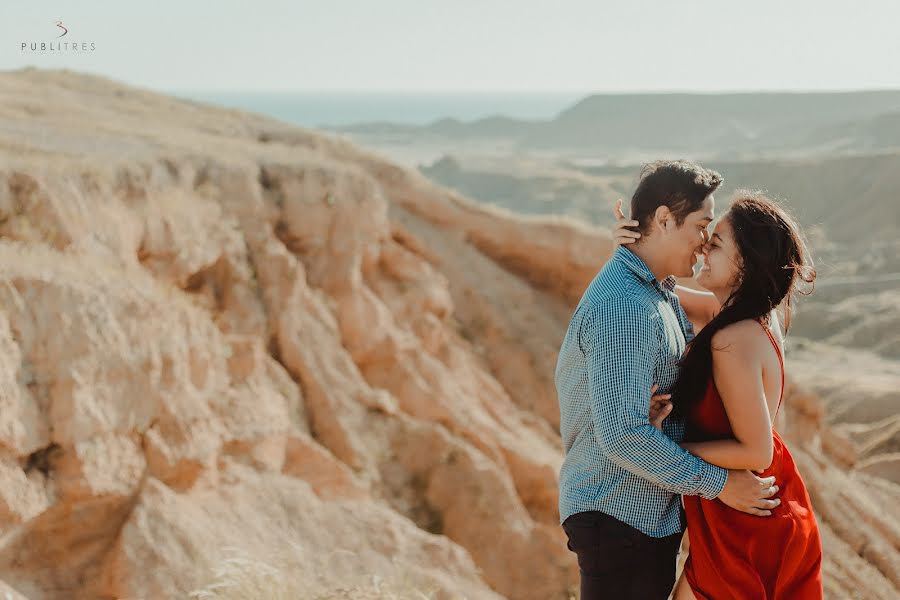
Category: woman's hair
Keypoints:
(773, 259)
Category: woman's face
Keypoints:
(721, 260)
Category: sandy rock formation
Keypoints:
(226, 337)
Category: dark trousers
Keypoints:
(618, 561)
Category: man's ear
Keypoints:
(663, 218)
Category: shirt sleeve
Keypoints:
(673, 427)
(623, 343)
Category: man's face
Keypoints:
(684, 244)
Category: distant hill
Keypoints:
(698, 122)
(869, 322)
(703, 125)
(875, 133)
(851, 199)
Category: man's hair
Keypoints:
(679, 184)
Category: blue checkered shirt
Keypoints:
(628, 332)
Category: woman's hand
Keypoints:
(660, 407)
(621, 234)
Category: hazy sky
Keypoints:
(466, 45)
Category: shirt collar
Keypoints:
(640, 268)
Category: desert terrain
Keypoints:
(247, 360)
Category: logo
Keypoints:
(68, 47)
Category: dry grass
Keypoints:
(301, 577)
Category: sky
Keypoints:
(465, 45)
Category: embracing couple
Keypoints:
(639, 468)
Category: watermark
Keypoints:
(69, 46)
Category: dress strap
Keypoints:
(780, 360)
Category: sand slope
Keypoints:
(224, 335)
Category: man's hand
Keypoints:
(747, 493)
(621, 234)
(660, 407)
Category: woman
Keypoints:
(729, 391)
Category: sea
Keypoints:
(326, 110)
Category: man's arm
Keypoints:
(673, 427)
(622, 345)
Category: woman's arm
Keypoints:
(737, 372)
(699, 306)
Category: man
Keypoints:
(621, 478)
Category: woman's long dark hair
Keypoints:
(773, 260)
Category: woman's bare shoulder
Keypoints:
(743, 338)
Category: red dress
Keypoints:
(737, 556)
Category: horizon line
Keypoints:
(651, 92)
(170, 89)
